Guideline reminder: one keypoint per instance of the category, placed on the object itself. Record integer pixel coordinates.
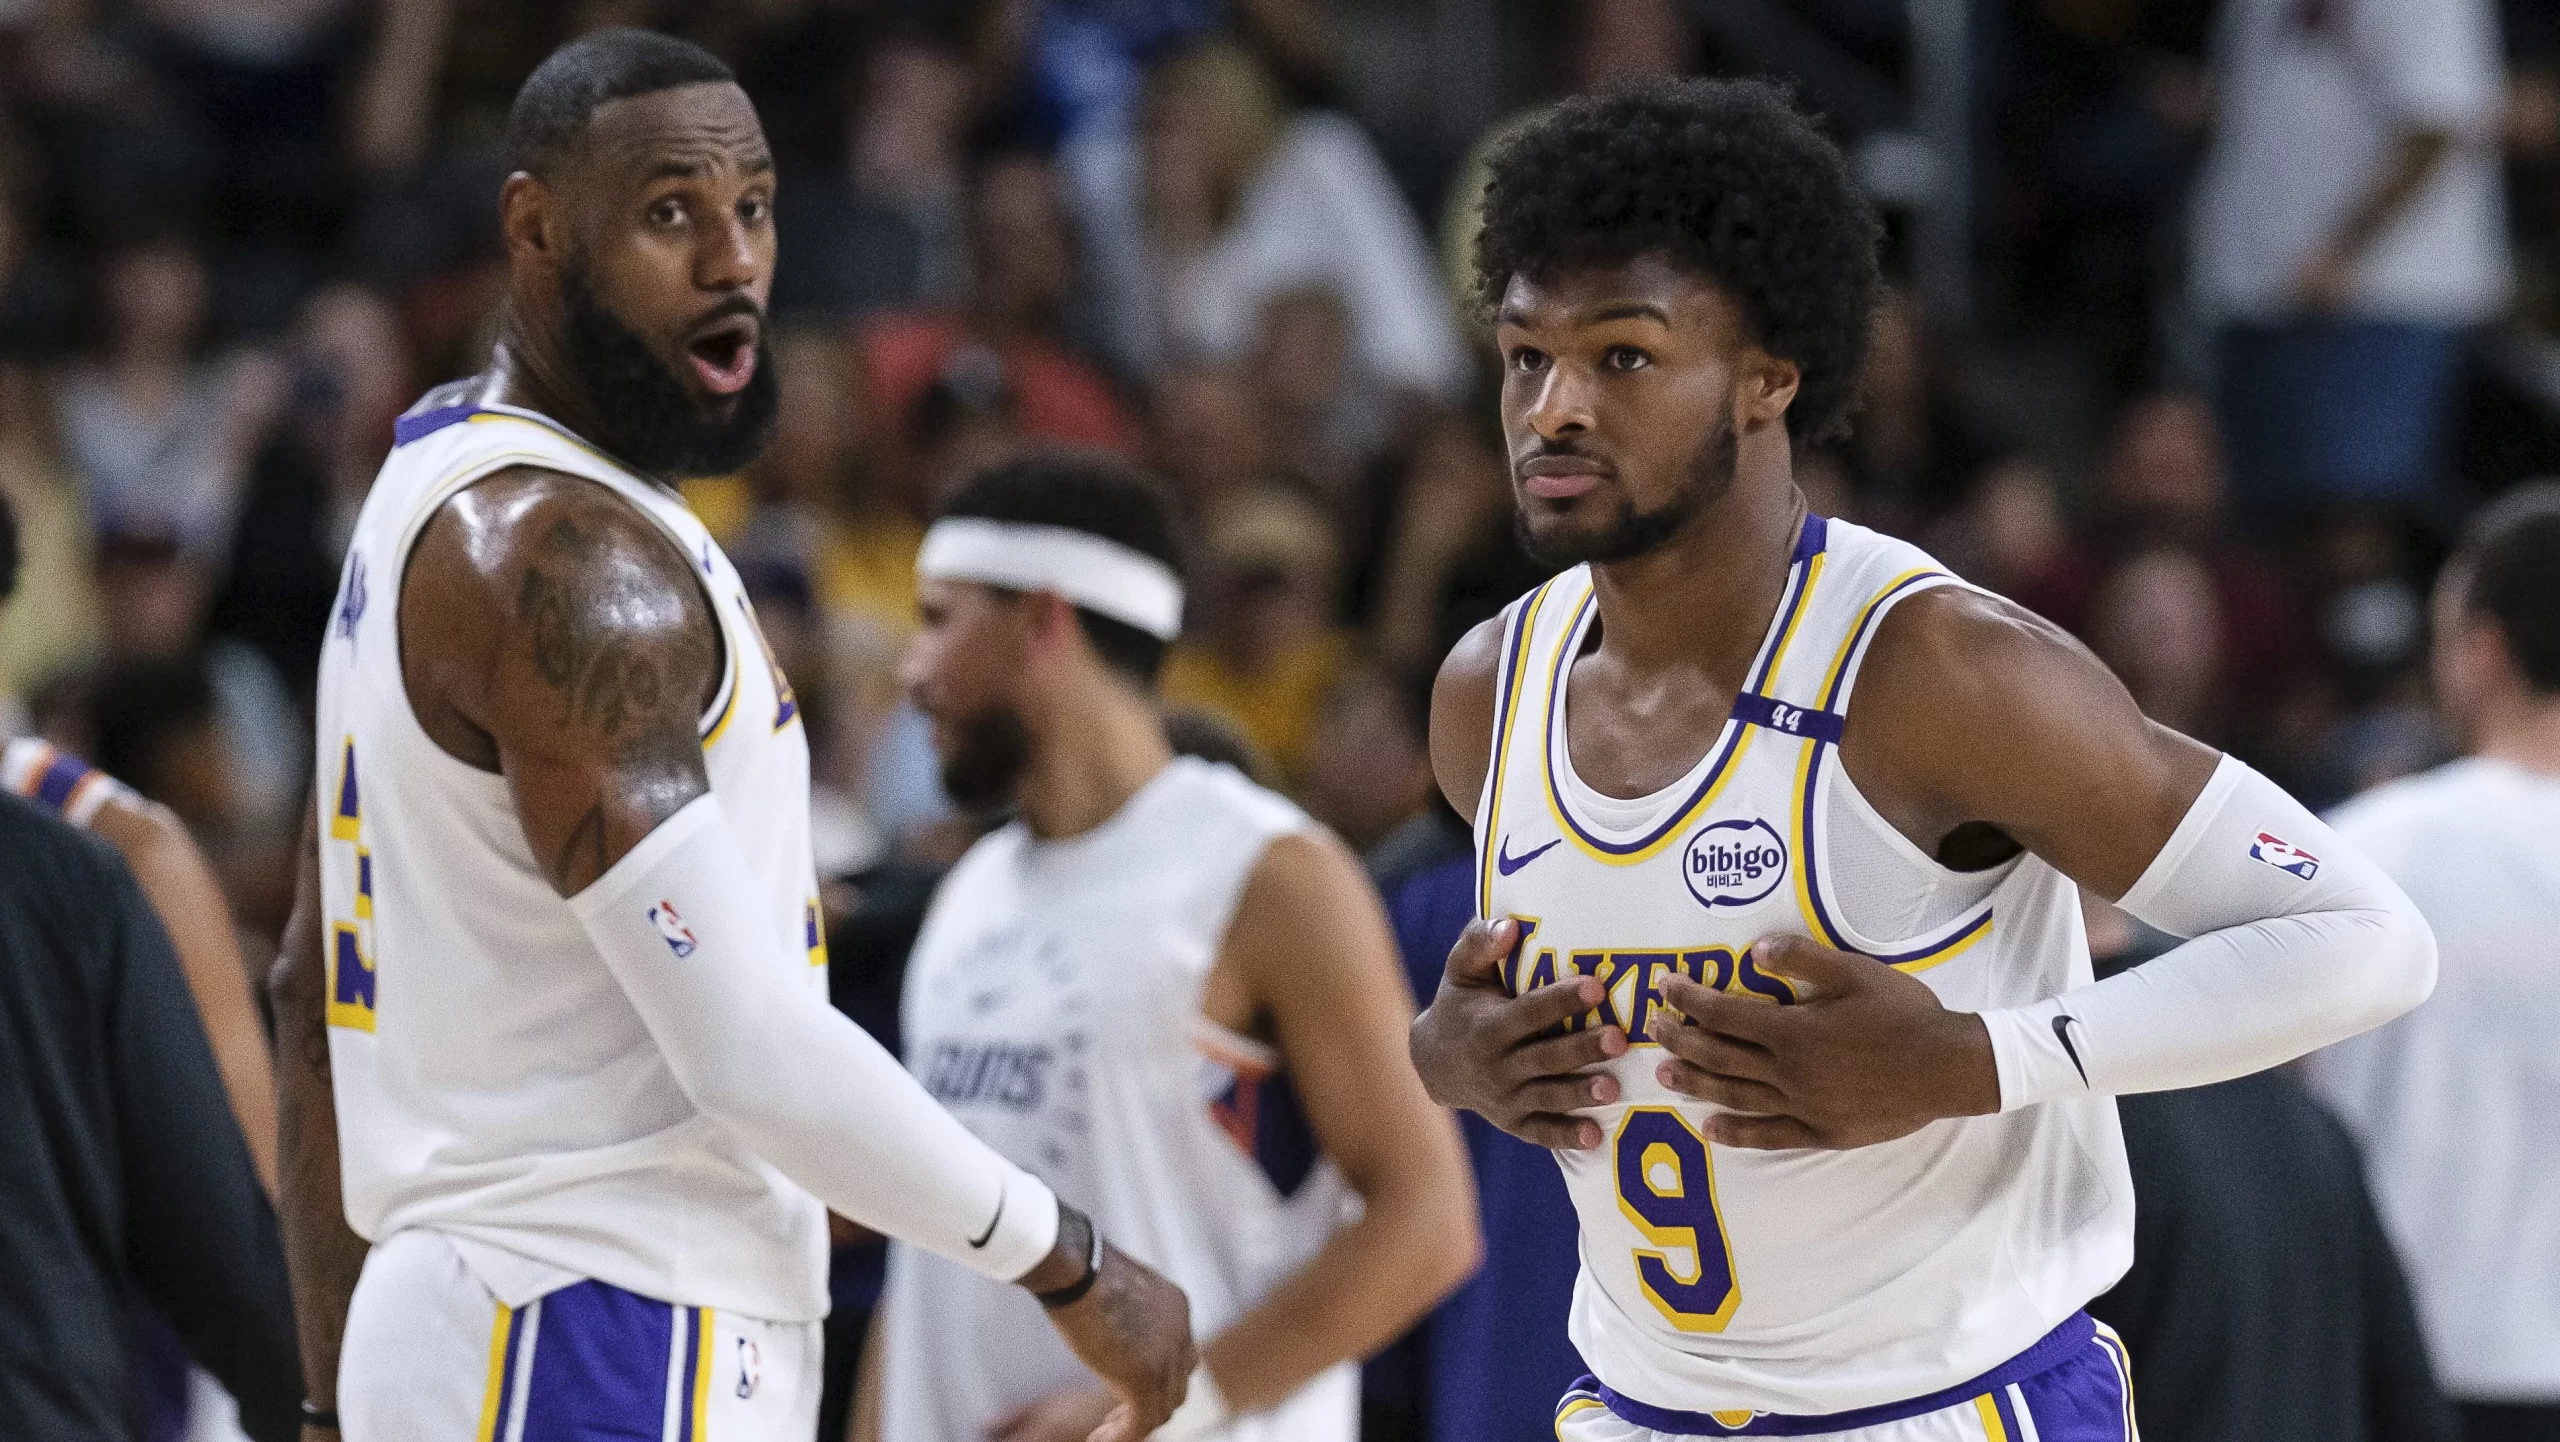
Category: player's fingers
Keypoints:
(1810, 968)
(1564, 1055)
(1740, 1093)
(1547, 1007)
(1761, 1133)
(1003, 1428)
(1554, 1132)
(1716, 1052)
(1565, 1094)
(1476, 959)
(1742, 1018)
(1120, 1426)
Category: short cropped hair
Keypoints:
(552, 110)
(1725, 177)
(1099, 496)
(2513, 550)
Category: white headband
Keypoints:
(1102, 576)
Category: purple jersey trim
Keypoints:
(426, 423)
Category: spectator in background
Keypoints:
(1022, 275)
(1246, 199)
(2454, 1103)
(2349, 231)
(54, 623)
(2157, 623)
(1368, 770)
(349, 378)
(885, 227)
(2161, 489)
(158, 435)
(1265, 653)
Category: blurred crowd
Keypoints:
(2238, 352)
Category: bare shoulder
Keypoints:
(1462, 705)
(1972, 709)
(533, 574)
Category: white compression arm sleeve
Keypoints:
(755, 1045)
(2299, 941)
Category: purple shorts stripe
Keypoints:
(599, 1367)
(507, 1372)
(694, 1362)
(2063, 1348)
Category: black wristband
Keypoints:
(324, 1419)
(1074, 1291)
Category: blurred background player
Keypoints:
(1161, 986)
(2453, 1104)
(182, 891)
(1853, 935)
(555, 1030)
(128, 1183)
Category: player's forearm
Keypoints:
(190, 905)
(322, 1253)
(754, 1044)
(2298, 942)
(1372, 1281)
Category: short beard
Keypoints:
(984, 770)
(654, 422)
(1632, 533)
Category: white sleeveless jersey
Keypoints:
(1731, 1281)
(492, 1081)
(1053, 1004)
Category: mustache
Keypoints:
(739, 304)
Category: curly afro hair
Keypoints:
(1727, 177)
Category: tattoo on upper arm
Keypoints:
(609, 682)
(616, 641)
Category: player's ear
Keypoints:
(529, 216)
(1768, 386)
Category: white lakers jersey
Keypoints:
(1804, 1282)
(1053, 1004)
(492, 1082)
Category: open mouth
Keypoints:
(724, 354)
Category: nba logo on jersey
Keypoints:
(672, 930)
(2285, 856)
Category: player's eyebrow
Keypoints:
(675, 168)
(1630, 310)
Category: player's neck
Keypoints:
(527, 372)
(2524, 733)
(1088, 757)
(1706, 597)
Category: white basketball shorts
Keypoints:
(431, 1356)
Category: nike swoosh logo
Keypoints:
(1506, 863)
(2062, 1028)
(980, 1241)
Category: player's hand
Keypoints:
(1480, 1049)
(1134, 1330)
(1058, 1417)
(1866, 1054)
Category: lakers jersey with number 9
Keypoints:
(1727, 1281)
